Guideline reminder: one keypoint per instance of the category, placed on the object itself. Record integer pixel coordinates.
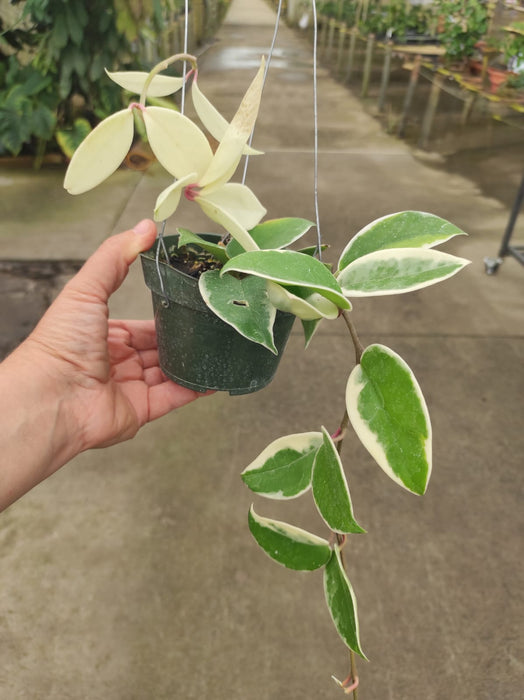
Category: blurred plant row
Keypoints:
(52, 59)
(458, 25)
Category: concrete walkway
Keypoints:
(131, 575)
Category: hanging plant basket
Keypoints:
(196, 348)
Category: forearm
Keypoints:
(36, 436)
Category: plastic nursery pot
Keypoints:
(196, 348)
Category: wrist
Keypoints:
(34, 414)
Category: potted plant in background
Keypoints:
(248, 283)
(460, 27)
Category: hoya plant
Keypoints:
(254, 273)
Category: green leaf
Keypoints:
(330, 489)
(405, 229)
(289, 545)
(283, 469)
(388, 412)
(276, 233)
(164, 102)
(341, 602)
(35, 83)
(309, 328)
(74, 26)
(187, 237)
(243, 303)
(398, 270)
(288, 267)
(70, 139)
(312, 249)
(43, 122)
(59, 33)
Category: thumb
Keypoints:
(103, 272)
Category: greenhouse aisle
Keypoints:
(131, 574)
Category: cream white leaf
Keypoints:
(168, 200)
(134, 81)
(180, 146)
(238, 200)
(229, 151)
(100, 153)
(212, 207)
(211, 118)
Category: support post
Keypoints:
(431, 108)
(413, 80)
(468, 108)
(342, 31)
(351, 56)
(386, 71)
(367, 65)
(331, 36)
(505, 248)
(323, 36)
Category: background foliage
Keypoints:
(52, 58)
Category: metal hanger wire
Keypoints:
(318, 251)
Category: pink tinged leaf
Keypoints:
(211, 118)
(101, 153)
(134, 81)
(180, 146)
(218, 213)
(168, 200)
(230, 149)
(238, 200)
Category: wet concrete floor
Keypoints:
(131, 575)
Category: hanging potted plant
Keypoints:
(246, 285)
(213, 333)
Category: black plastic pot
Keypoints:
(196, 348)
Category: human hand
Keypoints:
(81, 380)
(108, 369)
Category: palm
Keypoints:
(107, 369)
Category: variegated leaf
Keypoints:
(405, 229)
(283, 469)
(330, 489)
(273, 234)
(242, 303)
(342, 603)
(288, 267)
(289, 545)
(397, 270)
(302, 302)
(388, 412)
(309, 328)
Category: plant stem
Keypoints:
(353, 667)
(359, 348)
(162, 66)
(341, 433)
(352, 658)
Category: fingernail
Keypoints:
(142, 227)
